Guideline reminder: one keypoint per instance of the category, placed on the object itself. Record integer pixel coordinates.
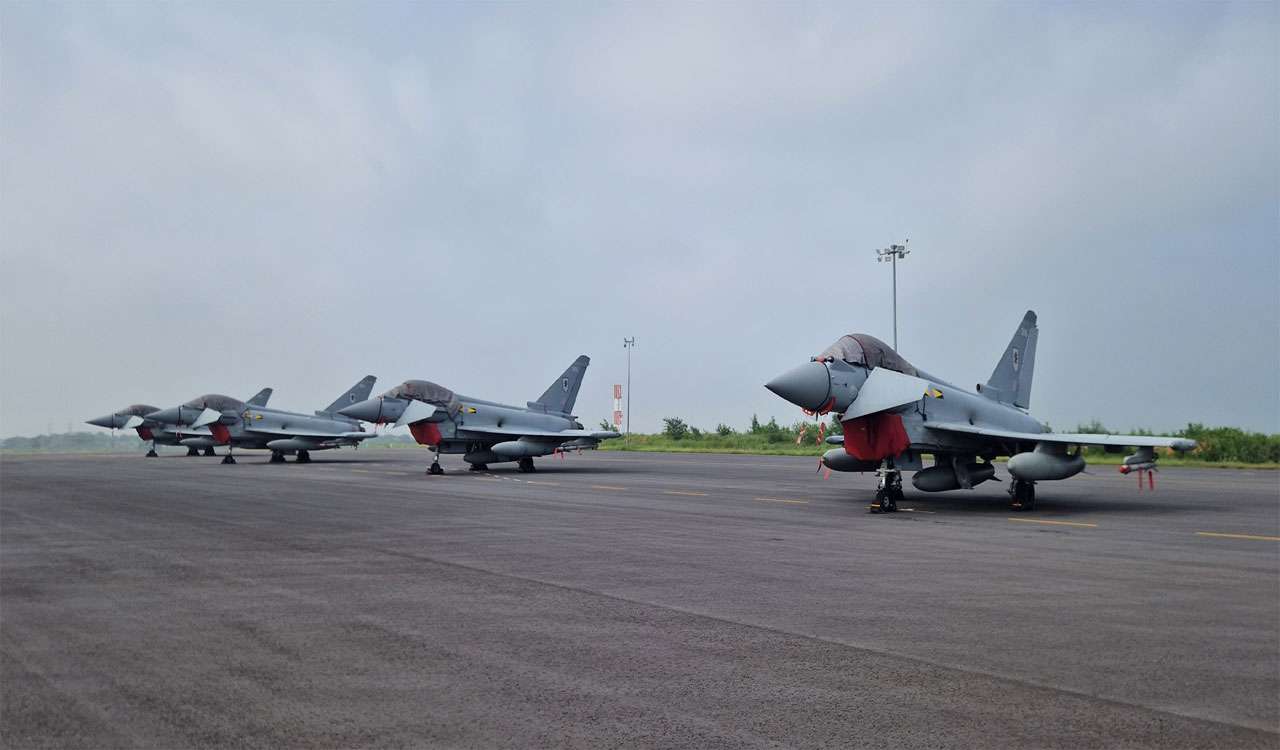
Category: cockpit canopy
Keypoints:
(868, 351)
(217, 402)
(136, 410)
(428, 392)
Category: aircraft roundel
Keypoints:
(1016, 360)
(565, 385)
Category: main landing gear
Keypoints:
(526, 465)
(889, 489)
(478, 467)
(1023, 494)
(304, 457)
(277, 457)
(210, 451)
(192, 450)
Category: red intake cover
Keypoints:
(220, 433)
(426, 433)
(145, 433)
(875, 436)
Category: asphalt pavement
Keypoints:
(627, 600)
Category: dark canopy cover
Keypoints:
(217, 402)
(868, 351)
(136, 410)
(428, 392)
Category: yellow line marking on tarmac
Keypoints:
(913, 510)
(782, 500)
(604, 487)
(1055, 523)
(688, 494)
(546, 484)
(325, 468)
(361, 471)
(1240, 536)
(400, 473)
(487, 479)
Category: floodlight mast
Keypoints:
(891, 254)
(628, 344)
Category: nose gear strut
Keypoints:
(888, 489)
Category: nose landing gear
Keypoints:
(889, 489)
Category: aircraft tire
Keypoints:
(884, 501)
(228, 459)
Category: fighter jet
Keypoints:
(892, 413)
(237, 424)
(133, 417)
(485, 432)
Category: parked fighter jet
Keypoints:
(133, 417)
(235, 424)
(483, 431)
(892, 412)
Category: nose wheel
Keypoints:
(435, 470)
(889, 491)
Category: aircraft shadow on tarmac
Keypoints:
(1048, 508)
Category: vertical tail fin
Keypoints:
(1010, 383)
(563, 393)
(260, 398)
(357, 393)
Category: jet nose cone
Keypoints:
(107, 421)
(365, 411)
(807, 386)
(166, 416)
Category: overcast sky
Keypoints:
(217, 197)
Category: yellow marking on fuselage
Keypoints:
(1240, 536)
(782, 500)
(1055, 523)
(688, 494)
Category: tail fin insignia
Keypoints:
(357, 393)
(1010, 382)
(563, 393)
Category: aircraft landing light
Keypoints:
(782, 500)
(1055, 523)
(689, 494)
(604, 487)
(1240, 536)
